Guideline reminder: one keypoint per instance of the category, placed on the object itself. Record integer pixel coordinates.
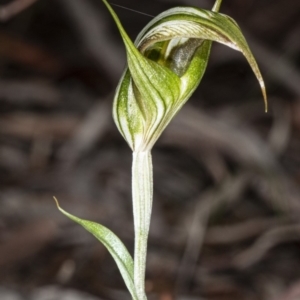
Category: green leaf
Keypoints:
(113, 245)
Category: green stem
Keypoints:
(217, 5)
(142, 194)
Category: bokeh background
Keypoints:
(226, 216)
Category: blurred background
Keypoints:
(226, 216)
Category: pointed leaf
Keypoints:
(113, 245)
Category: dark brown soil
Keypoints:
(225, 222)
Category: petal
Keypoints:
(188, 22)
(154, 86)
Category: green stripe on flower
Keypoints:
(165, 66)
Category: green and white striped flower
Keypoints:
(165, 65)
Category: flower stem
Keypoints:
(142, 194)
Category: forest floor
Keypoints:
(226, 216)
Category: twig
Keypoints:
(29, 92)
(292, 293)
(267, 241)
(238, 141)
(15, 7)
(277, 66)
(228, 234)
(96, 36)
(29, 126)
(90, 130)
(206, 205)
(24, 52)
(281, 130)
